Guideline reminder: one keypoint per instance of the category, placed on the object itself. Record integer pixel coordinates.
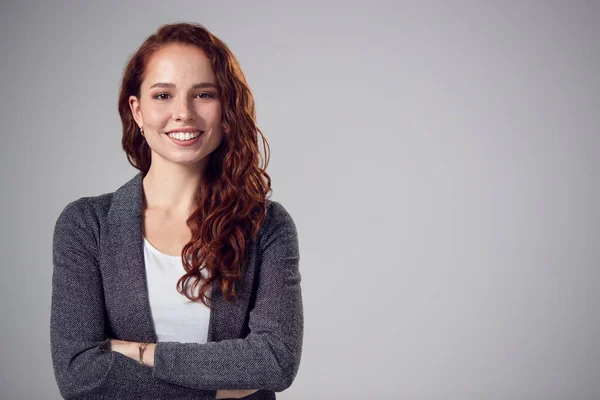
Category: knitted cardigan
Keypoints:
(99, 292)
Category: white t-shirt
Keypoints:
(175, 317)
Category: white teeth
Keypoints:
(184, 135)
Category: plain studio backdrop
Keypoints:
(440, 160)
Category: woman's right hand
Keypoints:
(234, 394)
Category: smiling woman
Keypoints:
(184, 283)
(178, 85)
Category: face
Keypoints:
(179, 94)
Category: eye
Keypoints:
(206, 95)
(158, 96)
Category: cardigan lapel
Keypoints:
(126, 244)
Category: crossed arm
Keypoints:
(131, 350)
(267, 359)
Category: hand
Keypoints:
(234, 394)
(124, 347)
(131, 350)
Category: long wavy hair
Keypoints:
(232, 197)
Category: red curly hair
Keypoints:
(232, 196)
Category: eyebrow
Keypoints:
(200, 85)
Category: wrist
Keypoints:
(145, 353)
(141, 348)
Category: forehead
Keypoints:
(178, 63)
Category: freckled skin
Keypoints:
(162, 109)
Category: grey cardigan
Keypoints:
(99, 292)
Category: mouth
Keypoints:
(184, 136)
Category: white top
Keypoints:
(175, 317)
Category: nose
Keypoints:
(184, 110)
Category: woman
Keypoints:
(184, 282)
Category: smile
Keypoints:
(184, 136)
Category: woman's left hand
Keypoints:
(130, 349)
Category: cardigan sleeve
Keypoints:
(83, 365)
(269, 356)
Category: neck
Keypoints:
(171, 188)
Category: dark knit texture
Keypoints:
(99, 292)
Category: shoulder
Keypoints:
(277, 215)
(81, 222)
(77, 229)
(87, 208)
(279, 228)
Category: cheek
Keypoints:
(216, 113)
(155, 116)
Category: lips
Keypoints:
(197, 130)
(184, 130)
(185, 135)
(184, 142)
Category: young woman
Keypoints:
(184, 283)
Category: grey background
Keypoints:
(440, 160)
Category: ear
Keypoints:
(134, 105)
